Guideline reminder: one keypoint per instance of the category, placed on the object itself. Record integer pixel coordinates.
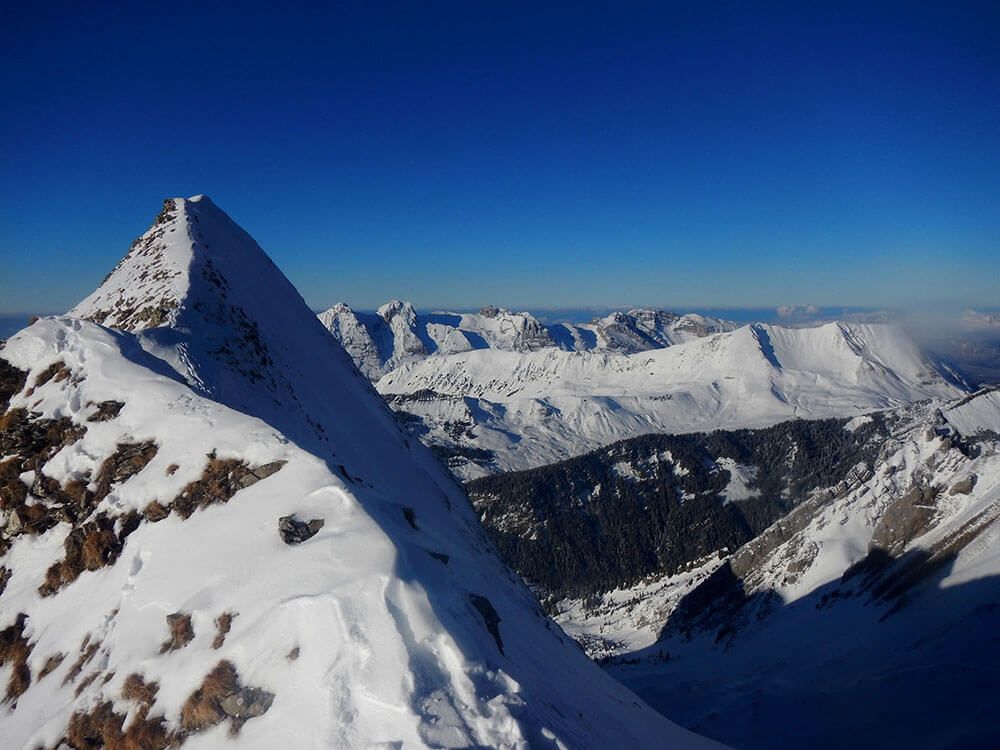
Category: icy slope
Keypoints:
(215, 534)
(529, 409)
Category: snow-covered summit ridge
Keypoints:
(215, 533)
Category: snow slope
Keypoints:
(151, 594)
(529, 409)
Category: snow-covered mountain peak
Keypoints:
(213, 532)
(193, 249)
(397, 308)
(204, 297)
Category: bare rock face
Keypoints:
(490, 617)
(294, 531)
(906, 519)
(963, 486)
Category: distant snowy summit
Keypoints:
(396, 334)
(214, 534)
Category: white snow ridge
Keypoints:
(215, 534)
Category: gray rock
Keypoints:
(246, 703)
(905, 519)
(294, 531)
(964, 486)
(490, 617)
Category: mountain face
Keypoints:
(658, 504)
(637, 330)
(214, 532)
(397, 335)
(490, 411)
(864, 616)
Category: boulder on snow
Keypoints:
(963, 486)
(490, 617)
(294, 531)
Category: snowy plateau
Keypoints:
(215, 534)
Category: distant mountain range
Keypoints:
(396, 334)
(491, 410)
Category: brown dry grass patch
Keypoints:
(140, 692)
(101, 727)
(181, 632)
(92, 546)
(222, 625)
(87, 652)
(15, 650)
(51, 665)
(220, 480)
(155, 511)
(127, 461)
(221, 697)
(202, 709)
(106, 411)
(12, 381)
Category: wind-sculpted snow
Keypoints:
(162, 464)
(528, 409)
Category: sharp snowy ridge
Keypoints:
(215, 534)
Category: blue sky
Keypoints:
(587, 154)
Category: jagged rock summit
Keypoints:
(154, 439)
(398, 335)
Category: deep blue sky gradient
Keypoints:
(455, 154)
